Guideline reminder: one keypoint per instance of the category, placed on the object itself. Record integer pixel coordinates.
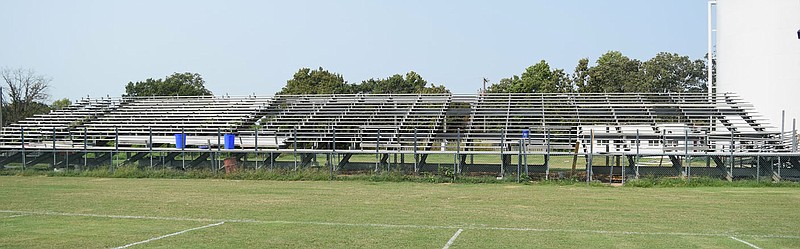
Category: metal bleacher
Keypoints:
(402, 122)
(723, 128)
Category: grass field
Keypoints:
(68, 212)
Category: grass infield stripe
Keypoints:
(745, 242)
(403, 226)
(452, 239)
(169, 235)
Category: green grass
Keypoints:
(568, 216)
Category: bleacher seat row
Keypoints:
(393, 121)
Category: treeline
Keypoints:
(321, 81)
(613, 72)
(25, 93)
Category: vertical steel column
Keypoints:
(332, 156)
(780, 160)
(183, 148)
(256, 147)
(219, 149)
(150, 144)
(687, 156)
(54, 146)
(458, 153)
(116, 145)
(66, 155)
(636, 161)
(525, 154)
(547, 159)
(378, 150)
(294, 142)
(85, 149)
(758, 161)
(519, 160)
(731, 147)
(416, 157)
(502, 154)
(686, 151)
(591, 156)
(22, 137)
(794, 135)
(334, 163)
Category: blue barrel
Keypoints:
(180, 141)
(230, 141)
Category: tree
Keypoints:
(580, 77)
(26, 91)
(539, 78)
(670, 72)
(177, 84)
(320, 81)
(398, 84)
(434, 89)
(505, 85)
(616, 72)
(60, 104)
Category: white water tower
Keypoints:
(758, 54)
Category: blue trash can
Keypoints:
(180, 141)
(230, 141)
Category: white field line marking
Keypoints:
(401, 225)
(169, 235)
(452, 239)
(745, 242)
(15, 216)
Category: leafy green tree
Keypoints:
(177, 84)
(580, 77)
(670, 72)
(505, 85)
(616, 72)
(320, 81)
(434, 89)
(60, 104)
(539, 78)
(411, 83)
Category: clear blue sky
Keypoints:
(243, 47)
